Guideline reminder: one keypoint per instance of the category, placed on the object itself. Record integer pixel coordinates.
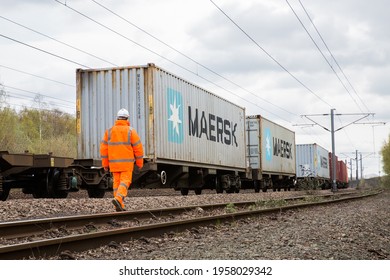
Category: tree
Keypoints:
(48, 131)
(386, 156)
(9, 130)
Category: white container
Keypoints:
(312, 161)
(178, 122)
(271, 147)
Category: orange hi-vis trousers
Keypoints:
(122, 181)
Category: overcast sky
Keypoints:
(257, 54)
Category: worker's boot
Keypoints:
(119, 206)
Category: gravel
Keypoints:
(20, 206)
(355, 230)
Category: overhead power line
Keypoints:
(188, 57)
(163, 57)
(33, 107)
(270, 56)
(338, 65)
(37, 93)
(19, 95)
(319, 49)
(58, 41)
(37, 76)
(23, 97)
(325, 58)
(44, 51)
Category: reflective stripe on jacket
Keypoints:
(121, 147)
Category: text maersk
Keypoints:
(283, 148)
(212, 127)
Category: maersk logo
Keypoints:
(267, 144)
(175, 116)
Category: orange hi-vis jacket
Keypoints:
(121, 147)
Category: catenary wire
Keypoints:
(331, 54)
(270, 56)
(37, 93)
(165, 58)
(188, 57)
(37, 76)
(330, 65)
(34, 107)
(319, 49)
(58, 41)
(72, 61)
(41, 50)
(23, 96)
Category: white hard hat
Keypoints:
(123, 114)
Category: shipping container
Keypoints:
(313, 170)
(312, 161)
(341, 172)
(342, 178)
(190, 135)
(270, 152)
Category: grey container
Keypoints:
(312, 161)
(178, 122)
(271, 148)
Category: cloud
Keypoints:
(355, 31)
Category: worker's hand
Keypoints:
(139, 163)
(106, 169)
(140, 166)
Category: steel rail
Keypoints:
(24, 228)
(50, 247)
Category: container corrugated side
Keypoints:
(178, 122)
(312, 161)
(271, 147)
(196, 126)
(100, 94)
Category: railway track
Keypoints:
(43, 238)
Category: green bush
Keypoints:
(385, 182)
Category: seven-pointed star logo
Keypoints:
(175, 118)
(268, 145)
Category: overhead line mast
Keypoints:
(332, 131)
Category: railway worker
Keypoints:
(120, 148)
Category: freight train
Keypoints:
(193, 140)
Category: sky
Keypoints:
(290, 61)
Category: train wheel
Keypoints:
(184, 191)
(198, 191)
(4, 191)
(237, 185)
(264, 186)
(41, 189)
(163, 177)
(256, 185)
(53, 183)
(267, 184)
(217, 185)
(226, 184)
